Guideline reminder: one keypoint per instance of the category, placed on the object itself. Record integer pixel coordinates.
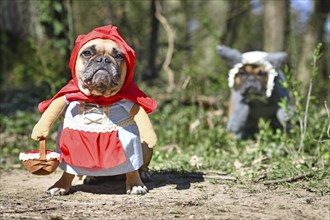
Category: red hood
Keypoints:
(110, 33)
(129, 90)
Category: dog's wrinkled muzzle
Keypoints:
(100, 81)
(252, 87)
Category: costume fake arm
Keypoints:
(239, 112)
(147, 133)
(42, 128)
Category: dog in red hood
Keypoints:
(106, 119)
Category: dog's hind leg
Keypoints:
(134, 184)
(145, 173)
(62, 186)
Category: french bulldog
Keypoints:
(255, 80)
(100, 68)
(104, 75)
(106, 130)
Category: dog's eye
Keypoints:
(87, 53)
(261, 73)
(119, 56)
(242, 73)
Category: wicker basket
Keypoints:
(40, 162)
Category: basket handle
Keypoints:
(42, 148)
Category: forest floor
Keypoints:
(171, 196)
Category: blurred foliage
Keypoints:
(191, 120)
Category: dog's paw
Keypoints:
(233, 127)
(134, 184)
(62, 186)
(57, 191)
(138, 190)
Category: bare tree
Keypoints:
(152, 71)
(20, 18)
(237, 11)
(275, 24)
(314, 34)
(170, 47)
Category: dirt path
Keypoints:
(171, 196)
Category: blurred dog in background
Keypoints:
(254, 79)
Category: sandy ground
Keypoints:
(171, 196)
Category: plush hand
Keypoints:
(239, 112)
(147, 133)
(42, 128)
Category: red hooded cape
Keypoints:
(129, 91)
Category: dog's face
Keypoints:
(251, 81)
(253, 73)
(100, 68)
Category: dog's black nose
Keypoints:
(103, 59)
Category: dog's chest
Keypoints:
(262, 109)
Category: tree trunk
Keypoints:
(313, 35)
(236, 13)
(152, 71)
(20, 18)
(275, 25)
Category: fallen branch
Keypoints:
(216, 172)
(289, 180)
(218, 177)
(30, 210)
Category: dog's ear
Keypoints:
(276, 58)
(231, 56)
